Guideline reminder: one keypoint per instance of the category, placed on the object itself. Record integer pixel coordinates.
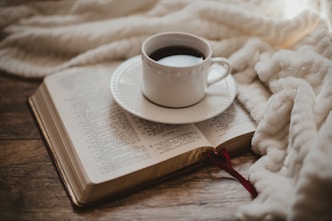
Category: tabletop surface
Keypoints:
(31, 189)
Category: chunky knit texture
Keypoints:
(283, 69)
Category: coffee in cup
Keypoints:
(177, 56)
(176, 68)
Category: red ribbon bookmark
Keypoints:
(223, 161)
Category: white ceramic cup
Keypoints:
(183, 85)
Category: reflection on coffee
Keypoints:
(177, 56)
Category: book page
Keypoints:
(108, 141)
(232, 123)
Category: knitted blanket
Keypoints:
(281, 61)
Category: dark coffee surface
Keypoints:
(175, 50)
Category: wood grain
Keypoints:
(30, 188)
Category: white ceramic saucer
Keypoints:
(126, 90)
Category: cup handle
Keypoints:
(223, 62)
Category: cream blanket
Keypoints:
(282, 66)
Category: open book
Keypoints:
(101, 150)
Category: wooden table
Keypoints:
(30, 188)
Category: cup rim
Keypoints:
(176, 33)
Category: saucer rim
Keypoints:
(136, 60)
